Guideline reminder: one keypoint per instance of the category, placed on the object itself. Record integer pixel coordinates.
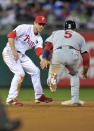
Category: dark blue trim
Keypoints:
(46, 54)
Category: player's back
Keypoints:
(67, 37)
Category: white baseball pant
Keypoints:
(19, 67)
(68, 58)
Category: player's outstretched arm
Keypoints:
(45, 57)
(44, 63)
(11, 38)
(86, 63)
(12, 46)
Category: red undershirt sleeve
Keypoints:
(12, 34)
(86, 59)
(48, 46)
(39, 51)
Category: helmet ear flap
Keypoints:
(69, 24)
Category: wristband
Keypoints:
(46, 54)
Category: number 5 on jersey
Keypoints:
(68, 34)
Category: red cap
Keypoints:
(40, 19)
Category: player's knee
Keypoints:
(73, 73)
(37, 71)
(22, 77)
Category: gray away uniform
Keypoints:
(67, 47)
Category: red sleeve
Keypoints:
(12, 34)
(86, 59)
(39, 51)
(48, 46)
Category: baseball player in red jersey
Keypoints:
(67, 46)
(21, 39)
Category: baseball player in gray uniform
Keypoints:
(67, 46)
(23, 38)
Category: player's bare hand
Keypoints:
(15, 54)
(84, 72)
(43, 63)
(84, 75)
(48, 65)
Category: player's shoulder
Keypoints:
(58, 31)
(80, 36)
(25, 26)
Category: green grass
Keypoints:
(60, 94)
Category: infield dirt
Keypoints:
(53, 116)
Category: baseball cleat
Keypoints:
(43, 98)
(14, 102)
(53, 82)
(70, 103)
